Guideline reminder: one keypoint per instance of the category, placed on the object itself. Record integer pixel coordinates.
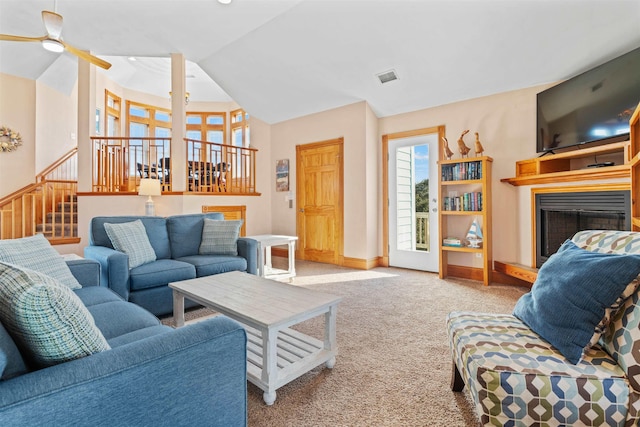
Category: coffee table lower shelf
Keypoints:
(297, 354)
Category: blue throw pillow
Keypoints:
(132, 239)
(573, 290)
(220, 237)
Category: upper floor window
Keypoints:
(240, 128)
(207, 126)
(112, 108)
(147, 120)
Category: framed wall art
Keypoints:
(282, 175)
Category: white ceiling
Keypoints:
(282, 59)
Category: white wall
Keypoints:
(506, 124)
(56, 124)
(505, 121)
(350, 123)
(18, 112)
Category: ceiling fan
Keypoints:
(53, 42)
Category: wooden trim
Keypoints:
(150, 121)
(385, 200)
(64, 241)
(362, 264)
(464, 272)
(203, 127)
(519, 271)
(503, 279)
(69, 154)
(570, 189)
(609, 172)
(111, 111)
(164, 193)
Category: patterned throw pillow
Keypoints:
(571, 295)
(46, 318)
(36, 253)
(220, 237)
(131, 238)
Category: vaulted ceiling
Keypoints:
(282, 59)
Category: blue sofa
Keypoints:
(153, 375)
(176, 241)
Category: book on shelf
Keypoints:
(462, 171)
(466, 202)
(452, 241)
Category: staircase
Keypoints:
(62, 222)
(49, 206)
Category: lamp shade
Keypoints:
(149, 187)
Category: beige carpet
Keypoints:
(394, 363)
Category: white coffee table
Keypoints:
(265, 268)
(276, 354)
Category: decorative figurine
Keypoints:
(447, 151)
(479, 147)
(474, 235)
(464, 150)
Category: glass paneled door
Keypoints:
(413, 205)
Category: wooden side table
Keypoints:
(265, 268)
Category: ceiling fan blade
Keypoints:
(11, 38)
(87, 56)
(52, 23)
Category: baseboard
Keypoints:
(362, 264)
(357, 263)
(465, 272)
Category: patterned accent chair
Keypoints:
(518, 379)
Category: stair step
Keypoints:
(67, 206)
(59, 217)
(49, 230)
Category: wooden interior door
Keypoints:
(319, 184)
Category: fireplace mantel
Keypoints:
(571, 166)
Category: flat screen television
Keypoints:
(592, 107)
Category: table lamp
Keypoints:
(149, 187)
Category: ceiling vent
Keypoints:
(387, 76)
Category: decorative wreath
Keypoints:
(9, 140)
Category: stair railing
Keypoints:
(48, 206)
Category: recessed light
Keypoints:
(224, 1)
(132, 58)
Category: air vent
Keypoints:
(387, 76)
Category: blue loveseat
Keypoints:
(176, 242)
(153, 375)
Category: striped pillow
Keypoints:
(46, 318)
(131, 238)
(36, 253)
(220, 237)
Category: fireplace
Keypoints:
(560, 215)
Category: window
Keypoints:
(208, 126)
(239, 128)
(147, 120)
(205, 126)
(112, 110)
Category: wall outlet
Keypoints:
(478, 255)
